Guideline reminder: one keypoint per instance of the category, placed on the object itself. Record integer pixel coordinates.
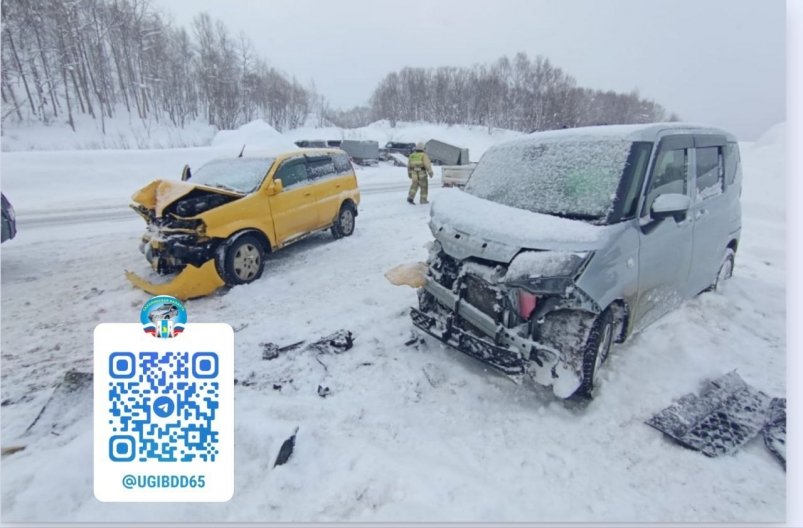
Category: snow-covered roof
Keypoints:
(641, 132)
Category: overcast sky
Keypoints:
(711, 61)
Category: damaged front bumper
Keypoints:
(190, 283)
(178, 246)
(500, 347)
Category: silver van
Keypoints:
(566, 241)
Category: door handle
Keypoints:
(307, 194)
(700, 213)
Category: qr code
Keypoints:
(162, 406)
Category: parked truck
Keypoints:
(456, 175)
(441, 153)
(361, 152)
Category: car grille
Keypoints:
(481, 295)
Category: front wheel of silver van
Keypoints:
(725, 269)
(595, 352)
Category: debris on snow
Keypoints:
(269, 351)
(325, 368)
(775, 431)
(272, 350)
(71, 400)
(413, 275)
(727, 415)
(323, 392)
(286, 450)
(248, 381)
(416, 340)
(10, 450)
(337, 342)
(93, 292)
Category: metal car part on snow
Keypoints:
(565, 236)
(217, 228)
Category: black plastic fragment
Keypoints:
(775, 431)
(337, 342)
(286, 450)
(727, 415)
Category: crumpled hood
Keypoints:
(468, 226)
(159, 194)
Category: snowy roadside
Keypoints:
(407, 433)
(121, 132)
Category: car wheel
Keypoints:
(725, 269)
(344, 224)
(595, 352)
(245, 260)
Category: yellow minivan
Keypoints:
(217, 225)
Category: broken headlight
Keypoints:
(546, 272)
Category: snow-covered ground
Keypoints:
(408, 433)
(124, 131)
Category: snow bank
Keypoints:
(775, 136)
(256, 135)
(124, 131)
(764, 171)
(127, 132)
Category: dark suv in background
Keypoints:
(401, 148)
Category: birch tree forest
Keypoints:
(61, 58)
(100, 58)
(521, 94)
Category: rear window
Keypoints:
(342, 164)
(710, 172)
(320, 167)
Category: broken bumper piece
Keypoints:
(190, 283)
(508, 361)
(727, 415)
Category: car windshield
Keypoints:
(242, 175)
(573, 178)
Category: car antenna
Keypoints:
(241, 152)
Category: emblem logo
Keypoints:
(163, 316)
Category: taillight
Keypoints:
(527, 302)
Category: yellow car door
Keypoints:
(327, 188)
(294, 208)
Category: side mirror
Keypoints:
(275, 187)
(675, 205)
(186, 174)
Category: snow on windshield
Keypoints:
(566, 177)
(240, 175)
